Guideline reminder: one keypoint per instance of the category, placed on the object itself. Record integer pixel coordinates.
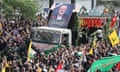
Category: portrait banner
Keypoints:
(61, 15)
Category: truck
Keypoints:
(48, 39)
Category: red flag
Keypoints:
(118, 66)
(59, 67)
(114, 19)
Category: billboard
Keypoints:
(91, 22)
(61, 15)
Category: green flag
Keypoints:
(104, 64)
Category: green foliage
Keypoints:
(26, 8)
(117, 2)
(110, 6)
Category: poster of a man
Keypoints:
(61, 15)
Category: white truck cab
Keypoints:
(45, 38)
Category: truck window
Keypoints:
(46, 36)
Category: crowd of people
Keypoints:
(14, 41)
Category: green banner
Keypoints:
(104, 64)
(52, 50)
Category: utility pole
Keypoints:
(93, 5)
(73, 2)
(51, 3)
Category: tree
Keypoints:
(25, 8)
(117, 2)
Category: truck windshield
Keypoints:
(46, 36)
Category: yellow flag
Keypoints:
(4, 67)
(4, 64)
(114, 38)
(94, 42)
(91, 51)
(29, 49)
(39, 69)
